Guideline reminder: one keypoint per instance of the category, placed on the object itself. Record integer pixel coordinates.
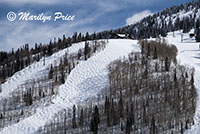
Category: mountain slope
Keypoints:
(89, 77)
(189, 54)
(84, 82)
(34, 71)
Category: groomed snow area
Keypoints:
(89, 77)
(189, 54)
(34, 71)
(86, 80)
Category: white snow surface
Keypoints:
(89, 77)
(34, 71)
(189, 54)
(86, 80)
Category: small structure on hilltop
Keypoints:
(120, 36)
(191, 35)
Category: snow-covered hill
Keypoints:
(85, 81)
(89, 77)
(34, 71)
(189, 54)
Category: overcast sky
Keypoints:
(90, 15)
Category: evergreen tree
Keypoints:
(167, 64)
(28, 98)
(120, 105)
(79, 54)
(74, 117)
(96, 111)
(65, 123)
(128, 125)
(87, 50)
(155, 55)
(182, 128)
(192, 80)
(62, 78)
(87, 37)
(51, 72)
(197, 37)
(153, 126)
(81, 118)
(107, 111)
(1, 116)
(132, 116)
(95, 121)
(148, 50)
(49, 50)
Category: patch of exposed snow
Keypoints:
(34, 71)
(189, 54)
(85, 81)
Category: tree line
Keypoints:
(156, 25)
(27, 97)
(145, 94)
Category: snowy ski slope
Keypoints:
(189, 54)
(89, 77)
(34, 71)
(85, 81)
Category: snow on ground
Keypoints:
(85, 81)
(34, 71)
(189, 54)
(90, 76)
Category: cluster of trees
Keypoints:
(158, 49)
(146, 94)
(58, 73)
(159, 98)
(23, 102)
(14, 61)
(30, 94)
(151, 26)
(165, 21)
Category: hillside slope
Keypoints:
(34, 71)
(189, 54)
(85, 81)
